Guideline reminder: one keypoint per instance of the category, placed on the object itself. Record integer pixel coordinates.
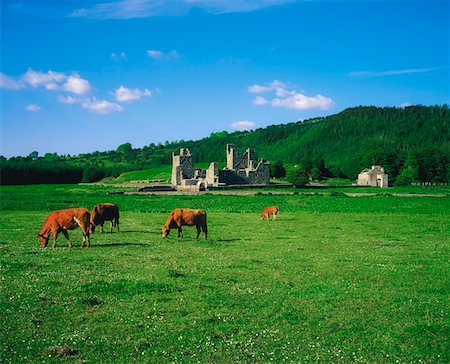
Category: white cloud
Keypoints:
(227, 6)
(9, 83)
(33, 107)
(303, 102)
(119, 57)
(160, 55)
(391, 73)
(404, 104)
(289, 98)
(57, 81)
(124, 9)
(91, 104)
(50, 80)
(129, 9)
(68, 99)
(259, 100)
(282, 92)
(243, 125)
(100, 106)
(77, 85)
(275, 85)
(257, 89)
(124, 94)
(154, 54)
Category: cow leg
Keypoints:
(101, 227)
(117, 225)
(55, 235)
(198, 231)
(110, 226)
(66, 235)
(86, 238)
(180, 232)
(274, 217)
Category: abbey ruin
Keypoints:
(240, 170)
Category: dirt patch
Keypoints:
(63, 350)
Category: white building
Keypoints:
(374, 177)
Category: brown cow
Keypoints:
(179, 217)
(104, 212)
(271, 210)
(63, 220)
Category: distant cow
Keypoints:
(179, 217)
(63, 220)
(104, 212)
(271, 210)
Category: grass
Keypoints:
(334, 279)
(163, 173)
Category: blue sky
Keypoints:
(84, 75)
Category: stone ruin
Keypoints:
(240, 170)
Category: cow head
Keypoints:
(91, 227)
(42, 240)
(165, 231)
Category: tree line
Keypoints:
(412, 143)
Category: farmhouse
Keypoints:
(240, 170)
(374, 177)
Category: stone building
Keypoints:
(240, 170)
(374, 177)
(185, 176)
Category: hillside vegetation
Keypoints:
(413, 142)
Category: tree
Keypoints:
(324, 171)
(316, 175)
(34, 155)
(51, 157)
(319, 171)
(277, 170)
(124, 148)
(298, 177)
(406, 177)
(93, 174)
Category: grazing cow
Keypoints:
(63, 220)
(271, 210)
(104, 212)
(179, 217)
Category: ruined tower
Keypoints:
(182, 166)
(238, 161)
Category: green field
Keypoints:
(334, 279)
(145, 174)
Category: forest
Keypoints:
(412, 143)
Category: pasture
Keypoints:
(334, 279)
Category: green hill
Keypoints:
(347, 142)
(414, 141)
